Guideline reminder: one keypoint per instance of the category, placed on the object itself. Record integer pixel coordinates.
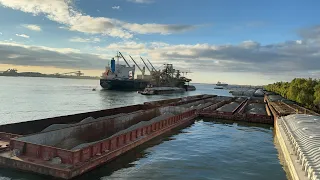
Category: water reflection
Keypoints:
(237, 123)
(205, 150)
(130, 160)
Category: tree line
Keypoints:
(303, 91)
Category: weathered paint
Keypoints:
(96, 154)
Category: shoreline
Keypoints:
(58, 77)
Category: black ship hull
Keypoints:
(125, 85)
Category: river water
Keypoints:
(208, 149)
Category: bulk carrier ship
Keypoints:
(122, 77)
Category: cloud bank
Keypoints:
(300, 56)
(19, 54)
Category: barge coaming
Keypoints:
(94, 155)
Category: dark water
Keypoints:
(205, 150)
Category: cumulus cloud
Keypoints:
(140, 1)
(0, 33)
(79, 39)
(116, 7)
(32, 27)
(23, 35)
(63, 12)
(19, 54)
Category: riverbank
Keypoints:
(52, 76)
(77, 75)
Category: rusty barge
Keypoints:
(238, 109)
(66, 146)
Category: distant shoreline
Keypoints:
(53, 76)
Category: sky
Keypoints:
(237, 42)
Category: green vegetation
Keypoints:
(304, 91)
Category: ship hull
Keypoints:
(130, 85)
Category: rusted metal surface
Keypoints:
(242, 109)
(268, 110)
(215, 106)
(34, 157)
(4, 136)
(241, 106)
(177, 101)
(301, 110)
(196, 98)
(5, 140)
(254, 118)
(283, 109)
(238, 114)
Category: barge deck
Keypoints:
(238, 109)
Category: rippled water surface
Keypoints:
(207, 149)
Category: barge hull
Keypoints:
(139, 137)
(135, 144)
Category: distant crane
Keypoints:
(77, 73)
